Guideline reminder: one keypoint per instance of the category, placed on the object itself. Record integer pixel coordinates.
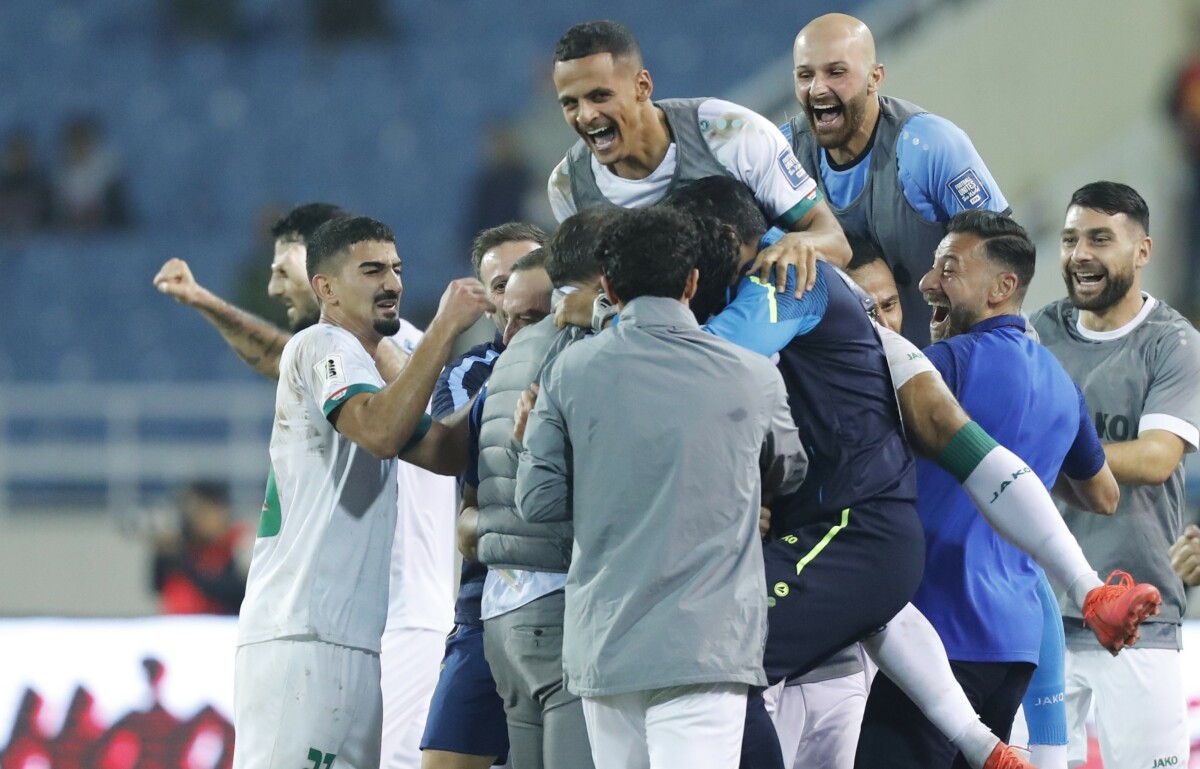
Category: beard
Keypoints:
(386, 326)
(854, 114)
(1117, 285)
(960, 320)
(303, 318)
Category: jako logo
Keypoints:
(1168, 761)
(1060, 697)
(1114, 427)
(1006, 484)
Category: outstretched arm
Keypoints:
(256, 341)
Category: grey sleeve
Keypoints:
(543, 484)
(1173, 400)
(782, 461)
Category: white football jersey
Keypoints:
(748, 145)
(422, 586)
(321, 561)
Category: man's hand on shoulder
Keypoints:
(525, 405)
(794, 250)
(575, 309)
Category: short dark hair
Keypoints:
(573, 256)
(726, 199)
(334, 237)
(649, 252)
(1113, 198)
(509, 232)
(862, 253)
(302, 221)
(593, 37)
(1004, 242)
(534, 260)
(718, 258)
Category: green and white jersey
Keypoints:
(321, 560)
(1142, 376)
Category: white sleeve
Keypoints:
(558, 189)
(336, 366)
(1184, 429)
(754, 151)
(903, 358)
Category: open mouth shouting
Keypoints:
(939, 322)
(827, 116)
(601, 138)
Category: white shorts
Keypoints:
(411, 660)
(1140, 709)
(306, 705)
(684, 727)
(818, 723)
(904, 360)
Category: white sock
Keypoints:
(1014, 502)
(911, 654)
(1048, 756)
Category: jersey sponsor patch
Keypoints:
(792, 170)
(330, 369)
(968, 189)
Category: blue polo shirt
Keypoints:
(979, 591)
(932, 154)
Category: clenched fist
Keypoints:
(175, 280)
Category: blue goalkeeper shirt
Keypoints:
(979, 591)
(839, 389)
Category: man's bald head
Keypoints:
(838, 28)
(837, 83)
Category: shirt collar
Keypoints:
(1148, 303)
(999, 321)
(658, 311)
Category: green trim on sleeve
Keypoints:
(339, 397)
(966, 450)
(789, 218)
(419, 433)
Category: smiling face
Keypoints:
(289, 284)
(526, 300)
(958, 285)
(604, 100)
(837, 82)
(1101, 256)
(363, 293)
(495, 269)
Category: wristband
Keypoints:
(602, 312)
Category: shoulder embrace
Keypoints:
(718, 115)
